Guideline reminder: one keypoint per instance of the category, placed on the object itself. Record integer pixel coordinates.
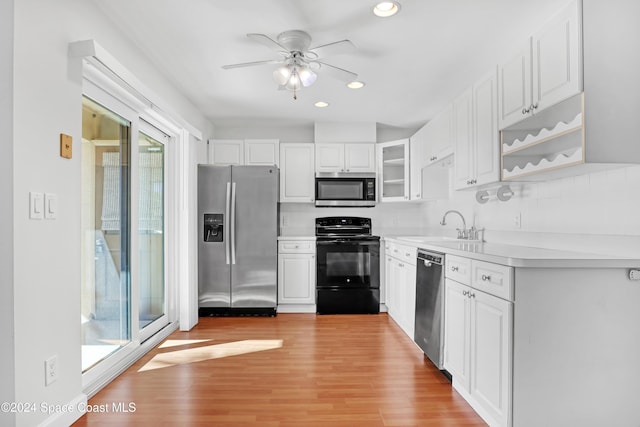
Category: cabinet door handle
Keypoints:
(471, 295)
(401, 265)
(526, 110)
(454, 268)
(465, 293)
(486, 278)
(407, 254)
(533, 107)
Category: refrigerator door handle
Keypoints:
(227, 229)
(233, 223)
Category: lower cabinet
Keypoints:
(478, 348)
(296, 275)
(400, 282)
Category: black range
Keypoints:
(347, 266)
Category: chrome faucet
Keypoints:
(462, 233)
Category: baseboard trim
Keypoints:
(77, 408)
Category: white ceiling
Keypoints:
(413, 64)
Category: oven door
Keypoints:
(344, 263)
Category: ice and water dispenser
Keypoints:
(213, 227)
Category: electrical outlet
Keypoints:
(517, 220)
(50, 370)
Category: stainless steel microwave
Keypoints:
(345, 189)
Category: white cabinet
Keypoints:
(265, 152)
(478, 338)
(393, 168)
(439, 136)
(352, 157)
(296, 173)
(477, 145)
(400, 286)
(590, 131)
(225, 152)
(296, 274)
(463, 139)
(430, 150)
(457, 335)
(547, 70)
(416, 162)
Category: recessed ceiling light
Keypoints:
(355, 85)
(321, 104)
(386, 8)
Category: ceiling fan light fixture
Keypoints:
(355, 85)
(307, 77)
(282, 75)
(294, 82)
(386, 9)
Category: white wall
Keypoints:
(257, 130)
(597, 212)
(7, 385)
(47, 94)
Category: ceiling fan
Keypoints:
(300, 62)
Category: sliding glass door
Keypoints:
(106, 189)
(124, 269)
(152, 313)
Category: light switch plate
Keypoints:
(36, 205)
(50, 205)
(66, 146)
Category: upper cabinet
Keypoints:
(439, 136)
(593, 130)
(476, 140)
(546, 71)
(296, 173)
(430, 150)
(351, 157)
(393, 169)
(264, 152)
(224, 152)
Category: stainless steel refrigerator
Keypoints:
(237, 245)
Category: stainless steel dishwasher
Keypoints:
(429, 327)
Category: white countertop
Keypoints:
(517, 256)
(313, 238)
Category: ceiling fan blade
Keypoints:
(268, 42)
(337, 72)
(251, 64)
(335, 48)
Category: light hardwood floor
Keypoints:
(286, 371)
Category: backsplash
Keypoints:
(558, 213)
(298, 219)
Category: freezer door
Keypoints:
(255, 234)
(214, 266)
